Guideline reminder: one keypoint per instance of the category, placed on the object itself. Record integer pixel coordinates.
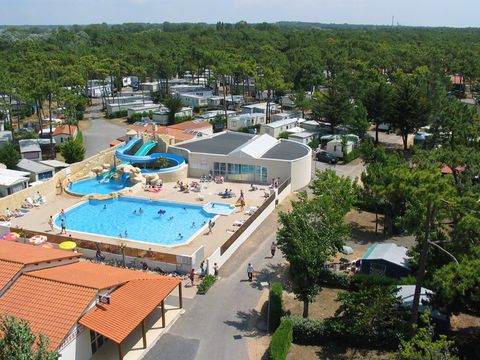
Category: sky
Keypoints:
(453, 13)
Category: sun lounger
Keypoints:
(31, 202)
(251, 210)
(238, 222)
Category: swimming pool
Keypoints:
(219, 208)
(115, 216)
(94, 186)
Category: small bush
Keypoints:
(283, 135)
(276, 306)
(367, 281)
(308, 331)
(206, 284)
(314, 144)
(118, 114)
(355, 153)
(281, 341)
(336, 279)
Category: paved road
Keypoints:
(101, 132)
(353, 169)
(216, 325)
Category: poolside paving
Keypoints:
(37, 218)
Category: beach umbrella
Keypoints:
(67, 245)
(38, 239)
(11, 236)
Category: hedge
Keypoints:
(352, 155)
(308, 331)
(206, 284)
(281, 341)
(276, 306)
(118, 114)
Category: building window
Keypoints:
(96, 341)
(45, 175)
(219, 169)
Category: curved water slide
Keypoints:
(145, 148)
(142, 155)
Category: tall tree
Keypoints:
(334, 106)
(410, 106)
(314, 231)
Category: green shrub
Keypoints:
(359, 281)
(308, 331)
(314, 144)
(336, 279)
(283, 135)
(281, 341)
(276, 305)
(355, 153)
(206, 284)
(118, 114)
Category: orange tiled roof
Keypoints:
(190, 125)
(65, 129)
(92, 275)
(164, 130)
(51, 308)
(129, 305)
(29, 254)
(8, 270)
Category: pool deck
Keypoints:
(37, 219)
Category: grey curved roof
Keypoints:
(286, 150)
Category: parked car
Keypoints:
(326, 157)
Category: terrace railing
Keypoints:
(246, 224)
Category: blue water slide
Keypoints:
(145, 148)
(130, 145)
(143, 158)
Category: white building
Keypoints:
(338, 149)
(193, 100)
(161, 116)
(30, 149)
(143, 108)
(113, 107)
(254, 159)
(37, 170)
(12, 181)
(235, 123)
(198, 90)
(210, 115)
(304, 137)
(277, 127)
(215, 102)
(258, 108)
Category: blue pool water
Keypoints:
(219, 208)
(94, 186)
(92, 217)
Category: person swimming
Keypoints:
(161, 212)
(126, 233)
(171, 217)
(180, 235)
(134, 212)
(104, 207)
(184, 209)
(120, 236)
(140, 211)
(193, 224)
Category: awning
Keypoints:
(129, 306)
